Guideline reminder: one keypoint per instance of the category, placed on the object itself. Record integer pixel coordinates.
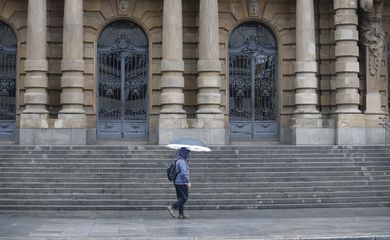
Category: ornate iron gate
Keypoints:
(7, 81)
(388, 76)
(122, 82)
(253, 82)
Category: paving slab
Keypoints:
(270, 224)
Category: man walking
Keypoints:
(182, 184)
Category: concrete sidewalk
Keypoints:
(326, 223)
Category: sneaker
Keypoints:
(183, 216)
(170, 210)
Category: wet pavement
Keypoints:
(308, 224)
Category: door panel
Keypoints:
(252, 83)
(122, 82)
(7, 82)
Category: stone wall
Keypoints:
(279, 16)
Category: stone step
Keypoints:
(133, 177)
(195, 175)
(161, 169)
(196, 160)
(153, 189)
(201, 179)
(166, 201)
(195, 195)
(256, 154)
(193, 207)
(215, 166)
(197, 185)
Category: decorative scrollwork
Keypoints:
(6, 85)
(110, 84)
(123, 77)
(253, 83)
(7, 111)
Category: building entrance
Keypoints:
(253, 94)
(7, 82)
(122, 56)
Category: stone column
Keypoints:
(72, 114)
(209, 116)
(35, 97)
(306, 83)
(172, 65)
(306, 119)
(209, 66)
(349, 122)
(346, 52)
(172, 115)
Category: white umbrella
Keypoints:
(192, 144)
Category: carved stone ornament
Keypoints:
(123, 6)
(372, 33)
(253, 8)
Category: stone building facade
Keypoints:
(294, 72)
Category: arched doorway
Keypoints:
(8, 47)
(388, 75)
(253, 83)
(122, 57)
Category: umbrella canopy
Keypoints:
(192, 144)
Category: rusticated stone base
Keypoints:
(208, 136)
(209, 128)
(71, 121)
(34, 120)
(312, 136)
(52, 136)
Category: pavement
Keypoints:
(273, 224)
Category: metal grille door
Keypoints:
(7, 81)
(122, 82)
(388, 76)
(252, 83)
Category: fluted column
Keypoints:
(306, 83)
(35, 97)
(346, 52)
(72, 114)
(172, 65)
(209, 66)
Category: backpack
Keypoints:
(171, 171)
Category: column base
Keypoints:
(373, 104)
(208, 120)
(52, 136)
(350, 129)
(173, 126)
(71, 121)
(311, 129)
(375, 132)
(210, 136)
(34, 120)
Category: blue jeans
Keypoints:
(182, 197)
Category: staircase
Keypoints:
(230, 177)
